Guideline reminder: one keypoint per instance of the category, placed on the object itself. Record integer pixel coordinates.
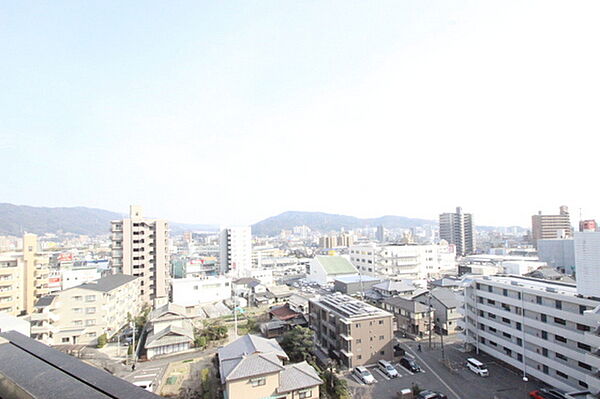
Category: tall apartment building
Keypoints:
(236, 251)
(544, 328)
(403, 261)
(352, 331)
(81, 314)
(551, 226)
(140, 248)
(23, 278)
(587, 263)
(457, 228)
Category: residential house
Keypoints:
(446, 306)
(412, 318)
(170, 330)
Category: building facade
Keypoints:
(351, 331)
(558, 253)
(545, 227)
(81, 314)
(194, 291)
(545, 329)
(236, 251)
(458, 229)
(140, 248)
(587, 263)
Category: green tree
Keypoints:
(251, 325)
(200, 341)
(102, 341)
(298, 344)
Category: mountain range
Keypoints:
(18, 219)
(329, 222)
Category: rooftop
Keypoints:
(336, 265)
(562, 288)
(108, 283)
(349, 307)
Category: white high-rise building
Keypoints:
(587, 263)
(457, 228)
(140, 248)
(236, 251)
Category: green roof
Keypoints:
(336, 265)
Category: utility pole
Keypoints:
(133, 342)
(429, 312)
(442, 342)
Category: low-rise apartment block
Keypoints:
(351, 331)
(544, 328)
(81, 314)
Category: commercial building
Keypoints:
(353, 285)
(404, 261)
(236, 251)
(558, 253)
(140, 248)
(33, 370)
(23, 278)
(587, 263)
(200, 290)
(458, 229)
(253, 367)
(81, 314)
(545, 227)
(352, 331)
(546, 329)
(325, 269)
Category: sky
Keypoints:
(229, 112)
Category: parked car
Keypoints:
(410, 365)
(477, 367)
(387, 368)
(544, 393)
(427, 394)
(364, 375)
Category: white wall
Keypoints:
(587, 263)
(197, 290)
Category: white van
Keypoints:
(477, 367)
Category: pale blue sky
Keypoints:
(229, 112)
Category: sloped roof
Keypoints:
(45, 301)
(446, 297)
(283, 312)
(167, 312)
(108, 283)
(251, 365)
(245, 281)
(298, 376)
(406, 303)
(248, 344)
(399, 286)
(335, 265)
(169, 336)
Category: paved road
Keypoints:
(460, 383)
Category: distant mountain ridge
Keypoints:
(326, 222)
(18, 219)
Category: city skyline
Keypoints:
(231, 113)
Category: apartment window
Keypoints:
(560, 339)
(558, 304)
(78, 322)
(582, 308)
(507, 351)
(490, 288)
(584, 365)
(359, 357)
(380, 322)
(583, 384)
(91, 334)
(561, 374)
(482, 340)
(381, 337)
(90, 310)
(492, 329)
(585, 347)
(305, 394)
(90, 298)
(519, 342)
(545, 369)
(518, 326)
(77, 298)
(357, 325)
(560, 321)
(256, 382)
(491, 315)
(543, 317)
(382, 353)
(65, 340)
(493, 343)
(545, 352)
(538, 300)
(583, 327)
(77, 310)
(478, 286)
(518, 294)
(507, 335)
(544, 334)
(480, 299)
(505, 320)
(491, 302)
(195, 288)
(504, 292)
(519, 357)
(90, 322)
(560, 356)
(359, 340)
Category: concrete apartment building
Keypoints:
(23, 278)
(546, 329)
(194, 291)
(558, 253)
(545, 227)
(458, 229)
(404, 261)
(81, 314)
(236, 251)
(253, 367)
(140, 248)
(351, 331)
(587, 263)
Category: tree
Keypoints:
(200, 341)
(298, 344)
(102, 341)
(251, 325)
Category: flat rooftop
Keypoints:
(350, 307)
(531, 283)
(356, 279)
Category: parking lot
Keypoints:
(456, 381)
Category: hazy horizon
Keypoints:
(227, 113)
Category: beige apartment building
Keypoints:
(352, 331)
(79, 315)
(140, 248)
(253, 367)
(544, 227)
(23, 278)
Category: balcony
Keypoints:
(346, 337)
